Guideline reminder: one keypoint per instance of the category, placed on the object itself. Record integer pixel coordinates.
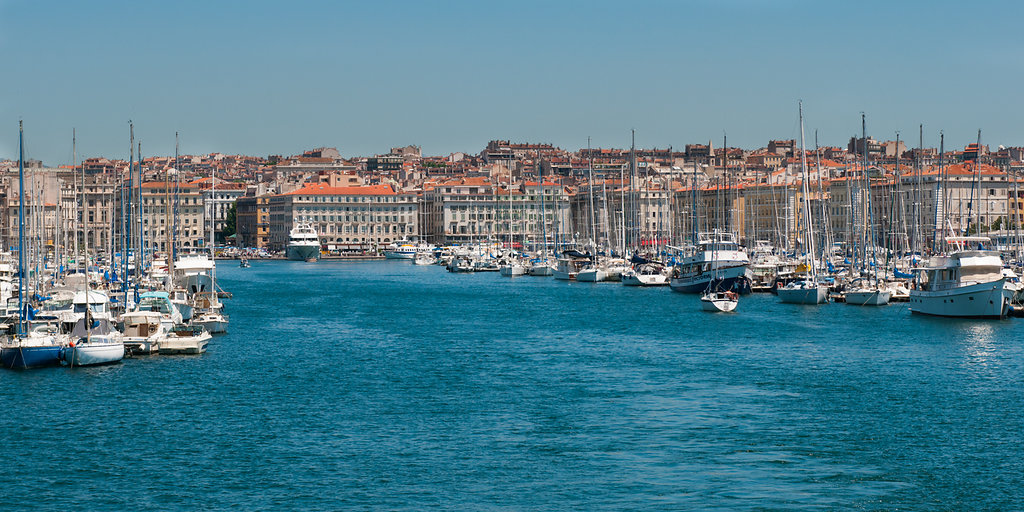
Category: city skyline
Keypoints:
(258, 79)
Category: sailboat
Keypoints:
(27, 349)
(94, 339)
(807, 290)
(869, 291)
(717, 299)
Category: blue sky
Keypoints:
(278, 77)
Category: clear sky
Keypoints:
(265, 78)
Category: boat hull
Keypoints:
(184, 344)
(213, 326)
(90, 354)
(714, 306)
(811, 295)
(868, 297)
(22, 358)
(982, 300)
(733, 278)
(513, 270)
(303, 252)
(591, 275)
(542, 271)
(634, 279)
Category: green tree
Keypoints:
(229, 222)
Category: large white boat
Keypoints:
(966, 282)
(303, 243)
(401, 250)
(718, 262)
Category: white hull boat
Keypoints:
(719, 301)
(184, 340)
(803, 292)
(542, 270)
(591, 275)
(512, 270)
(97, 350)
(965, 283)
(214, 323)
(868, 297)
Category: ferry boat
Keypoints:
(401, 250)
(966, 282)
(718, 263)
(303, 243)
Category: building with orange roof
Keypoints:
(347, 219)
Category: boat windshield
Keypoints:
(154, 304)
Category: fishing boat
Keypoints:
(966, 282)
(303, 243)
(714, 301)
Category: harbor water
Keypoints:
(384, 385)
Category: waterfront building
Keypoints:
(474, 209)
(345, 218)
(252, 220)
(176, 212)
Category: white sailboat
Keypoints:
(94, 339)
(714, 301)
(807, 290)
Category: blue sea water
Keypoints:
(383, 385)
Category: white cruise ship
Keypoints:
(966, 282)
(303, 243)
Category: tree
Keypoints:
(229, 222)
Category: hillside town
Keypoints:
(607, 197)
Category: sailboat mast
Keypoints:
(74, 181)
(21, 229)
(590, 184)
(808, 229)
(167, 217)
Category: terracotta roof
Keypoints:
(323, 189)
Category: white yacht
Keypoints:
(303, 243)
(966, 282)
(718, 262)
